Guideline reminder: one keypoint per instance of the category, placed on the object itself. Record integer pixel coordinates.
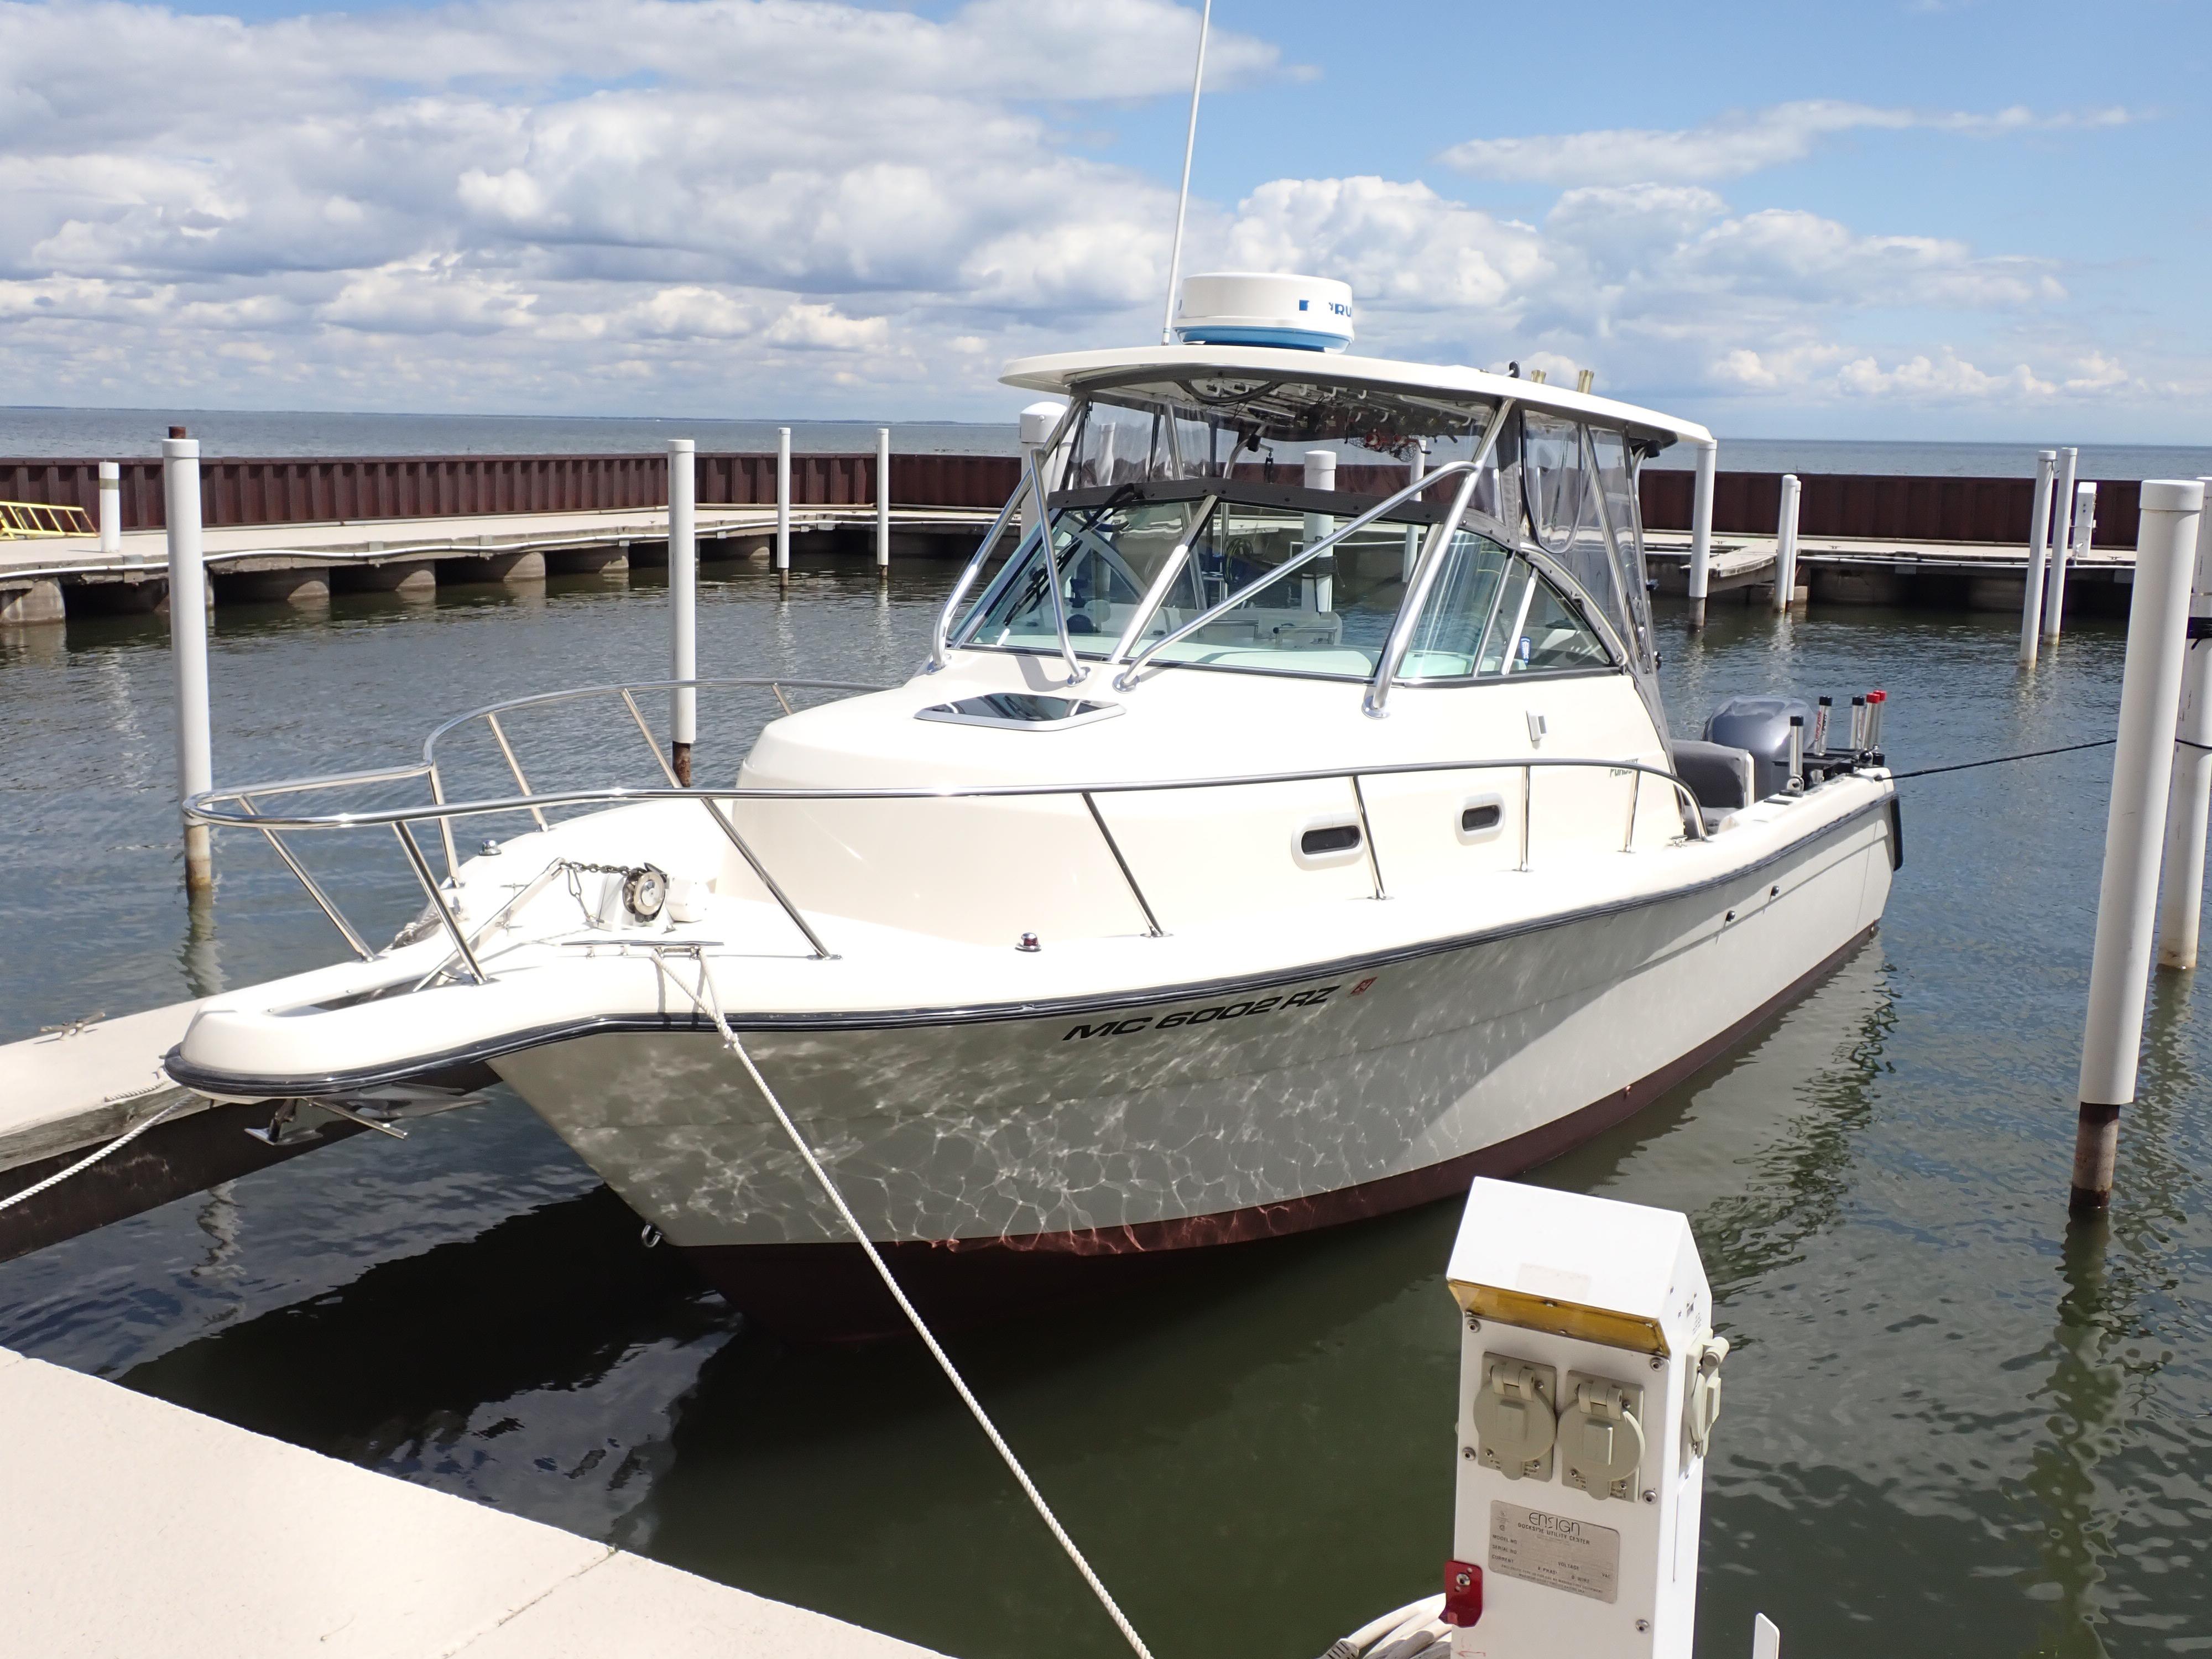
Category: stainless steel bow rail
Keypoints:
(243, 808)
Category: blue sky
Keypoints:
(1915, 220)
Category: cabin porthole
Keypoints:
(1322, 843)
(1481, 817)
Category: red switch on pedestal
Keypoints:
(1462, 1593)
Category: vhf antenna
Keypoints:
(1182, 202)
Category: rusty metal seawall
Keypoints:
(1905, 509)
(326, 489)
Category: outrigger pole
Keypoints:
(1182, 202)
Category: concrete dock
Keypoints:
(48, 580)
(134, 1527)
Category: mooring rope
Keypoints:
(85, 1162)
(713, 1007)
(2000, 760)
(2034, 754)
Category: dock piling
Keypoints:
(2142, 769)
(1785, 544)
(1701, 532)
(2188, 807)
(683, 603)
(2062, 504)
(2076, 542)
(884, 498)
(111, 509)
(188, 643)
(1417, 468)
(2039, 549)
(783, 501)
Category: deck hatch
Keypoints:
(1019, 711)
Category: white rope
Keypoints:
(714, 1007)
(1411, 1630)
(86, 1162)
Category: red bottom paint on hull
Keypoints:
(829, 1293)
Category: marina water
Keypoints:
(1949, 1422)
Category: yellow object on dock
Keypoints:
(27, 521)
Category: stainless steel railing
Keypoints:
(244, 808)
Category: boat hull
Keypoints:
(1005, 1157)
(829, 1293)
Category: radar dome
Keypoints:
(1244, 307)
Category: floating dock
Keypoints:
(75, 1087)
(1849, 570)
(133, 1526)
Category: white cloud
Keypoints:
(1741, 143)
(1398, 245)
(429, 295)
(1947, 378)
(822, 328)
(1834, 373)
(807, 205)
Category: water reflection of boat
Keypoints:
(1290, 836)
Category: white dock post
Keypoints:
(2039, 544)
(682, 603)
(2077, 544)
(2062, 504)
(882, 498)
(2142, 767)
(1320, 474)
(188, 645)
(1416, 470)
(2181, 896)
(1031, 434)
(1701, 532)
(1785, 544)
(111, 507)
(783, 500)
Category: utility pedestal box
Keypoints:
(1589, 1379)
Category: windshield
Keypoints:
(1489, 612)
(1172, 497)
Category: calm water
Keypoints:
(118, 432)
(1950, 1425)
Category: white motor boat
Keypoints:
(1290, 836)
